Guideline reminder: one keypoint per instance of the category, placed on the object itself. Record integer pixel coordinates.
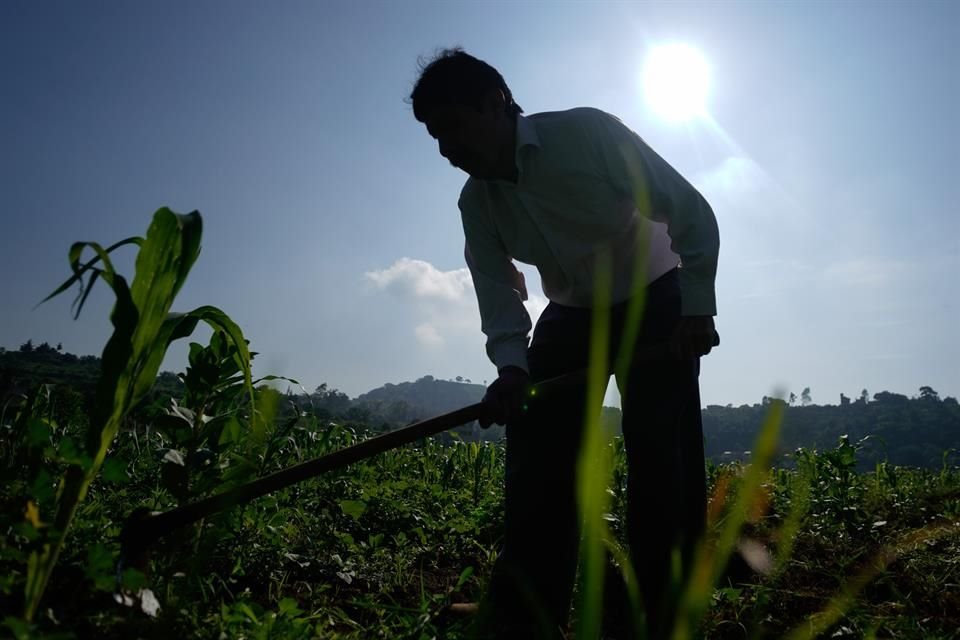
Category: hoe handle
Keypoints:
(144, 527)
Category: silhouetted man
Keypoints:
(573, 192)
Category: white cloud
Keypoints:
(866, 272)
(420, 279)
(444, 302)
(428, 336)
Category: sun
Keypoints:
(676, 79)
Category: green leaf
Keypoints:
(79, 270)
(38, 433)
(288, 607)
(114, 470)
(353, 508)
(219, 321)
(464, 576)
(231, 431)
(71, 454)
(133, 580)
(43, 487)
(245, 608)
(99, 567)
(273, 377)
(174, 427)
(19, 628)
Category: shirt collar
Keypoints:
(526, 133)
(526, 137)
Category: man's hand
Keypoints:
(506, 398)
(694, 336)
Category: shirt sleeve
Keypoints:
(662, 194)
(500, 290)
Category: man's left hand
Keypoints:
(694, 336)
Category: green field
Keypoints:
(381, 548)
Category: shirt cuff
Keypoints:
(696, 297)
(511, 354)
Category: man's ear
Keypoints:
(495, 102)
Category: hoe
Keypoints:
(143, 527)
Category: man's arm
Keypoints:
(503, 318)
(500, 290)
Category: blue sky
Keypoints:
(332, 234)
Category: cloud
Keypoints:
(866, 272)
(444, 301)
(420, 279)
(428, 336)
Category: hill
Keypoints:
(409, 402)
(923, 431)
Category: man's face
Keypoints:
(468, 138)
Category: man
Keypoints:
(585, 200)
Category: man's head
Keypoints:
(468, 108)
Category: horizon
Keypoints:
(284, 386)
(332, 237)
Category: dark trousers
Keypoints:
(533, 579)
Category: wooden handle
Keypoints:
(144, 527)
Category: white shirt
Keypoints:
(588, 186)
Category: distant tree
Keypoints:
(793, 398)
(27, 347)
(59, 346)
(332, 401)
(927, 393)
(45, 347)
(864, 397)
(805, 398)
(886, 397)
(459, 378)
(358, 414)
(844, 400)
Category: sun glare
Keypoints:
(675, 82)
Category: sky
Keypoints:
(826, 147)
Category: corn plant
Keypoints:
(143, 329)
(204, 428)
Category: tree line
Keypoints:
(922, 431)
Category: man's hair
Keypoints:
(454, 77)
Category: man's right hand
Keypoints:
(505, 400)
